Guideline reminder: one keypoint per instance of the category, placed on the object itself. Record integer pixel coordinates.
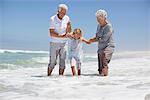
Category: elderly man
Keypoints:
(58, 30)
(104, 36)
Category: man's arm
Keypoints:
(54, 34)
(68, 29)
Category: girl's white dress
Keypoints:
(75, 51)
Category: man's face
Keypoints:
(62, 13)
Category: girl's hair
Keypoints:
(77, 31)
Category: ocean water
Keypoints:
(23, 76)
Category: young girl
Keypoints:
(75, 50)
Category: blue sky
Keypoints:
(24, 24)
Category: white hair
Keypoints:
(102, 13)
(62, 6)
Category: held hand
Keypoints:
(93, 40)
(88, 42)
(63, 35)
(69, 35)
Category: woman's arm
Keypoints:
(93, 40)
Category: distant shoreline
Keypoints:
(44, 51)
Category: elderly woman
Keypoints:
(104, 37)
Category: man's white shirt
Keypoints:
(59, 26)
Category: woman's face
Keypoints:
(100, 19)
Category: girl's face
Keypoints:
(77, 33)
(77, 36)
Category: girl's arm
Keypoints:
(84, 40)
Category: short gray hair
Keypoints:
(102, 13)
(62, 6)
